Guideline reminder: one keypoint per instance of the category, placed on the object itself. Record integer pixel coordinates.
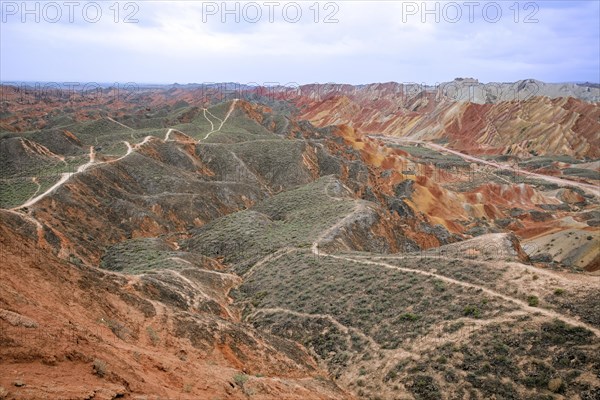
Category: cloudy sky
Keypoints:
(301, 42)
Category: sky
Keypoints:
(280, 42)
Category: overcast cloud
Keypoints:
(370, 42)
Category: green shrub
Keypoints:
(409, 317)
(472, 311)
(240, 379)
(558, 332)
(533, 301)
(425, 387)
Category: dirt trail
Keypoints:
(594, 190)
(260, 180)
(360, 207)
(522, 304)
(212, 126)
(562, 276)
(117, 122)
(129, 148)
(231, 107)
(346, 330)
(63, 178)
(213, 115)
(38, 225)
(92, 160)
(39, 187)
(591, 189)
(143, 142)
(228, 112)
(168, 134)
(271, 257)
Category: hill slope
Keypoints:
(174, 245)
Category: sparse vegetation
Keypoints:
(533, 301)
(471, 311)
(240, 379)
(99, 368)
(556, 385)
(439, 285)
(409, 317)
(292, 218)
(424, 387)
(247, 195)
(119, 330)
(154, 338)
(142, 255)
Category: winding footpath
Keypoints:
(168, 134)
(588, 188)
(231, 107)
(118, 123)
(343, 328)
(212, 126)
(63, 178)
(359, 207)
(39, 187)
(522, 304)
(431, 339)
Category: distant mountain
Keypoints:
(526, 117)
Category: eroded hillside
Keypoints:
(173, 245)
(519, 119)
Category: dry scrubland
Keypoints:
(251, 249)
